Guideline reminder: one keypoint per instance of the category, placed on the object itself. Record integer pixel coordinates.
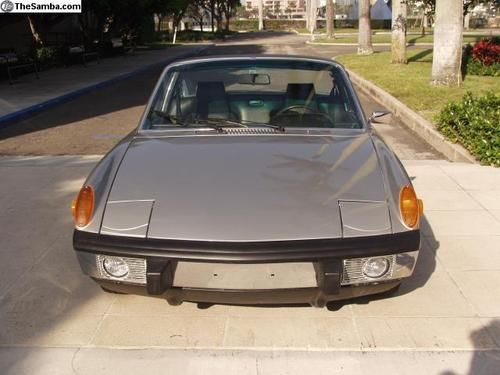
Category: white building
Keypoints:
(280, 8)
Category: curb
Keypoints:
(423, 128)
(373, 44)
(21, 114)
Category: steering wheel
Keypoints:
(302, 110)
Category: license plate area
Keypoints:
(245, 276)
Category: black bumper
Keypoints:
(326, 255)
(248, 252)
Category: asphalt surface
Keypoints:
(94, 122)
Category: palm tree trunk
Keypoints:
(308, 13)
(212, 15)
(423, 24)
(261, 15)
(36, 34)
(398, 35)
(330, 19)
(447, 51)
(365, 32)
(313, 10)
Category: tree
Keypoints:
(210, 6)
(159, 9)
(261, 15)
(365, 32)
(330, 19)
(40, 25)
(398, 35)
(197, 11)
(228, 8)
(447, 50)
(242, 12)
(176, 9)
(468, 6)
(311, 15)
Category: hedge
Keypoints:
(251, 25)
(475, 123)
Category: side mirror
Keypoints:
(378, 114)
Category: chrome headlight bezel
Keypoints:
(400, 266)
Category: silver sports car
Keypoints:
(250, 180)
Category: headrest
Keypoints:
(211, 90)
(300, 91)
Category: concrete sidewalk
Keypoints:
(55, 85)
(55, 320)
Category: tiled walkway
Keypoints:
(451, 305)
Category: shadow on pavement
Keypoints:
(484, 361)
(115, 109)
(487, 361)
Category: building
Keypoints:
(279, 8)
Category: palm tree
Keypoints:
(447, 50)
(330, 19)
(261, 15)
(398, 37)
(365, 32)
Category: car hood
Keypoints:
(245, 188)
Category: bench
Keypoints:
(80, 51)
(13, 62)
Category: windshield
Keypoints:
(254, 92)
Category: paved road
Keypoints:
(93, 123)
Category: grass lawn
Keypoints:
(350, 30)
(410, 83)
(339, 30)
(386, 38)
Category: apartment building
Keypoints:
(280, 8)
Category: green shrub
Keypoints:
(477, 68)
(475, 123)
(46, 55)
(482, 59)
(252, 25)
(246, 25)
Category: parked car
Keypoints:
(250, 180)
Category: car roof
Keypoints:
(242, 57)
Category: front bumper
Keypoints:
(334, 262)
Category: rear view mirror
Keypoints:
(254, 79)
(378, 115)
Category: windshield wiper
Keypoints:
(172, 119)
(217, 124)
(211, 123)
(246, 123)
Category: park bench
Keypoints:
(79, 51)
(12, 62)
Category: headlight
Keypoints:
(375, 267)
(115, 267)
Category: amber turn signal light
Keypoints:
(411, 208)
(82, 207)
